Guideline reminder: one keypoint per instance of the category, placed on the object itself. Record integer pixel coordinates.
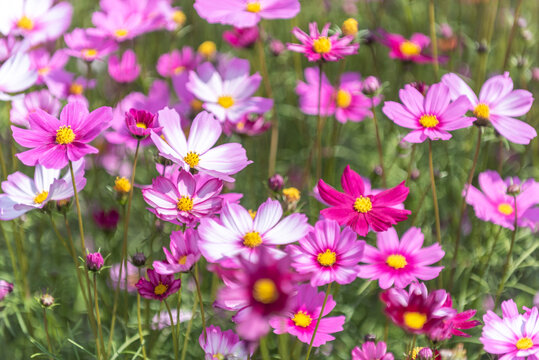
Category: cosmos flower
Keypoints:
(237, 233)
(88, 45)
(362, 211)
(408, 50)
(246, 13)
(22, 194)
(248, 125)
(430, 116)
(183, 253)
(141, 123)
(219, 344)
(319, 46)
(178, 62)
(310, 90)
(173, 17)
(55, 142)
(64, 85)
(126, 69)
(132, 276)
(158, 287)
(400, 262)
(22, 106)
(371, 351)
(497, 104)
(161, 320)
(45, 63)
(452, 326)
(305, 310)
(196, 152)
(493, 203)
(327, 254)
(120, 21)
(241, 38)
(16, 75)
(228, 94)
(5, 289)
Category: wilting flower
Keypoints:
(371, 351)
(16, 75)
(319, 46)
(94, 261)
(246, 13)
(400, 262)
(132, 276)
(429, 117)
(498, 104)
(228, 94)
(22, 194)
(327, 254)
(241, 38)
(196, 152)
(496, 205)
(141, 123)
(408, 50)
(222, 344)
(5, 289)
(87, 45)
(23, 106)
(362, 211)
(183, 253)
(303, 315)
(178, 62)
(514, 336)
(126, 69)
(237, 233)
(159, 287)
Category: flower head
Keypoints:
(23, 106)
(218, 344)
(106, 220)
(132, 276)
(124, 69)
(183, 253)
(241, 38)
(408, 50)
(453, 325)
(178, 62)
(141, 123)
(87, 45)
(158, 287)
(94, 261)
(371, 351)
(5, 289)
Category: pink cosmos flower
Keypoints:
(158, 287)
(310, 90)
(161, 320)
(514, 336)
(429, 117)
(22, 194)
(328, 255)
(132, 276)
(55, 142)
(241, 38)
(246, 13)
(16, 75)
(183, 253)
(371, 351)
(498, 104)
(141, 123)
(173, 18)
(400, 262)
(319, 46)
(45, 64)
(196, 152)
(11, 45)
(237, 233)
(88, 45)
(126, 69)
(408, 50)
(119, 20)
(222, 344)
(23, 106)
(302, 318)
(64, 85)
(362, 211)
(494, 204)
(452, 326)
(248, 125)
(228, 94)
(178, 62)
(183, 198)
(5, 289)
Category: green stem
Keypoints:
(45, 325)
(318, 321)
(173, 329)
(434, 196)
(97, 315)
(511, 35)
(492, 247)
(433, 40)
(16, 270)
(378, 143)
(319, 125)
(188, 331)
(140, 328)
(199, 294)
(264, 352)
(178, 311)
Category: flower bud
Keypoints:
(276, 47)
(94, 261)
(5, 289)
(46, 300)
(369, 338)
(207, 49)
(349, 27)
(276, 182)
(513, 189)
(425, 354)
(292, 195)
(122, 185)
(371, 85)
(138, 259)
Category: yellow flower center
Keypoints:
(252, 213)
(322, 45)
(191, 159)
(76, 89)
(302, 319)
(182, 260)
(218, 356)
(253, 7)
(160, 289)
(25, 23)
(415, 320)
(178, 70)
(327, 258)
(363, 204)
(482, 111)
(225, 101)
(178, 17)
(416, 351)
(505, 208)
(344, 98)
(44, 70)
(141, 125)
(292, 194)
(349, 27)
(524, 344)
(196, 105)
(396, 261)
(64, 135)
(185, 203)
(265, 291)
(409, 48)
(121, 32)
(428, 121)
(207, 49)
(122, 185)
(42, 196)
(89, 53)
(252, 239)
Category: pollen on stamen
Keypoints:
(121, 32)
(482, 111)
(363, 204)
(252, 239)
(42, 196)
(25, 23)
(302, 319)
(322, 45)
(185, 203)
(265, 291)
(429, 121)
(225, 101)
(505, 208)
(192, 159)
(343, 98)
(160, 289)
(396, 261)
(409, 48)
(327, 258)
(64, 135)
(253, 7)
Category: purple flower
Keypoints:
(45, 64)
(94, 261)
(158, 287)
(183, 253)
(5, 289)
(126, 69)
(141, 123)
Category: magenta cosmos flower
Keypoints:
(237, 233)
(196, 152)
(241, 38)
(320, 46)
(407, 50)
(245, 13)
(305, 310)
(452, 326)
(183, 198)
(228, 94)
(493, 203)
(88, 45)
(371, 351)
(514, 336)
(56, 142)
(159, 287)
(430, 116)
(124, 69)
(328, 254)
(219, 344)
(362, 211)
(23, 106)
(498, 104)
(183, 253)
(400, 262)
(141, 123)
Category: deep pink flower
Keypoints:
(320, 46)
(327, 254)
(400, 262)
(141, 123)
(88, 45)
(362, 211)
(158, 287)
(94, 261)
(178, 62)
(429, 117)
(183, 253)
(498, 104)
(371, 351)
(453, 325)
(303, 315)
(222, 344)
(56, 142)
(5, 289)
(408, 50)
(23, 106)
(241, 38)
(106, 220)
(126, 69)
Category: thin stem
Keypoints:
(493, 246)
(199, 294)
(511, 35)
(319, 125)
(433, 39)
(16, 270)
(3, 163)
(318, 321)
(264, 352)
(45, 325)
(98, 316)
(173, 329)
(140, 328)
(434, 196)
(188, 331)
(77, 203)
(379, 144)
(178, 312)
